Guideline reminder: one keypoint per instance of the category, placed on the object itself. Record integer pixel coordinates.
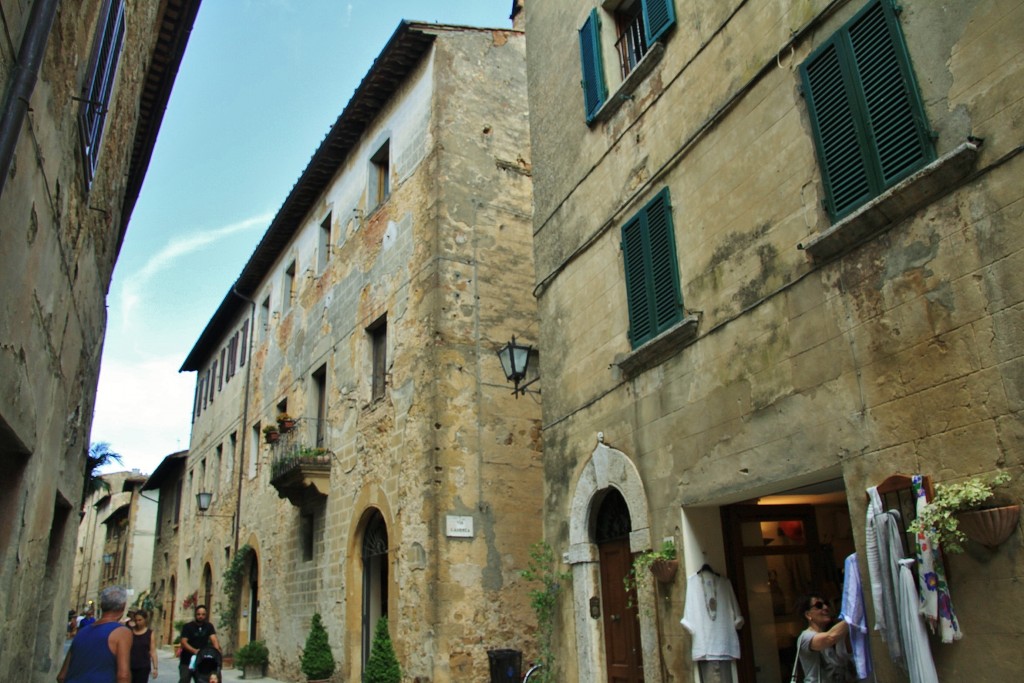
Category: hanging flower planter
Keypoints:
(990, 527)
(665, 570)
(285, 423)
(271, 434)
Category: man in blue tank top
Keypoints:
(99, 652)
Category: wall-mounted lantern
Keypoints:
(203, 501)
(515, 360)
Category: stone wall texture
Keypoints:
(446, 261)
(902, 355)
(57, 252)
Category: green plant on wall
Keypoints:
(544, 601)
(382, 666)
(642, 563)
(317, 659)
(232, 591)
(938, 519)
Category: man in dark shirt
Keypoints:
(195, 635)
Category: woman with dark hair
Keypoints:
(821, 647)
(143, 654)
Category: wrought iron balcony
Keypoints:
(300, 472)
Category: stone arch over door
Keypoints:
(606, 468)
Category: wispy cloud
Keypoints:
(135, 283)
(145, 414)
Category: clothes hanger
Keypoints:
(707, 568)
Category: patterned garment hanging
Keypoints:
(933, 590)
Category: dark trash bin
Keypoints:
(505, 665)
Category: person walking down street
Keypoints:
(143, 656)
(99, 653)
(195, 635)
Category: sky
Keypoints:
(260, 84)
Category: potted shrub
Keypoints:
(252, 658)
(285, 422)
(382, 666)
(271, 433)
(961, 510)
(317, 659)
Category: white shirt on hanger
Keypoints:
(712, 615)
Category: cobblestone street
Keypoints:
(168, 671)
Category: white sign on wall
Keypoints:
(459, 526)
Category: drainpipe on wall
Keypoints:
(23, 81)
(245, 415)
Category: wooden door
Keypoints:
(619, 612)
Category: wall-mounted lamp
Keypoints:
(515, 359)
(203, 500)
(108, 558)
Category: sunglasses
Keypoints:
(819, 605)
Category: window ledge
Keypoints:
(893, 205)
(625, 90)
(659, 349)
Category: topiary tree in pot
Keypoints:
(317, 659)
(382, 667)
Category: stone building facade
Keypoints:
(115, 540)
(409, 485)
(778, 249)
(83, 86)
(166, 485)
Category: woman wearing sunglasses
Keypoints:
(823, 654)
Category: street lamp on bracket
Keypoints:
(515, 361)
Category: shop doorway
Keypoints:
(779, 548)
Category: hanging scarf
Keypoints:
(884, 551)
(936, 603)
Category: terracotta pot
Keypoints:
(665, 570)
(990, 527)
(285, 425)
(272, 436)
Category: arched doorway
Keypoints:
(254, 597)
(172, 598)
(375, 578)
(607, 491)
(620, 619)
(208, 587)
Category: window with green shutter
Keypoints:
(595, 92)
(652, 272)
(638, 25)
(868, 121)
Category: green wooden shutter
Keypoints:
(652, 272)
(869, 125)
(637, 296)
(667, 302)
(659, 16)
(894, 112)
(840, 141)
(594, 89)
